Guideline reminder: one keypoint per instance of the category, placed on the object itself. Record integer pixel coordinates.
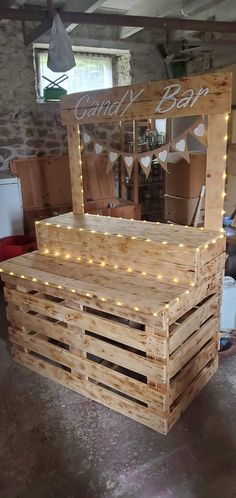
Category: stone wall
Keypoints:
(28, 128)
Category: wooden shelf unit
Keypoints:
(122, 311)
(151, 200)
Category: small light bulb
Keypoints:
(129, 270)
(59, 287)
(73, 290)
(148, 240)
(90, 261)
(103, 263)
(46, 283)
(79, 258)
(192, 284)
(225, 157)
(1, 270)
(81, 229)
(136, 308)
(224, 176)
(48, 224)
(34, 279)
(197, 249)
(93, 231)
(144, 273)
(46, 251)
(177, 299)
(175, 280)
(227, 117)
(103, 299)
(58, 226)
(222, 236)
(133, 238)
(155, 313)
(119, 235)
(106, 233)
(159, 277)
(223, 194)
(167, 306)
(87, 294)
(187, 292)
(22, 276)
(67, 256)
(37, 222)
(57, 253)
(206, 246)
(144, 221)
(11, 273)
(115, 267)
(213, 241)
(181, 245)
(69, 228)
(164, 242)
(119, 303)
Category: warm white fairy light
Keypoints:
(88, 295)
(1, 270)
(197, 249)
(223, 194)
(167, 306)
(46, 251)
(22, 276)
(119, 303)
(90, 261)
(213, 241)
(115, 267)
(206, 246)
(69, 228)
(59, 287)
(148, 240)
(11, 273)
(34, 279)
(227, 117)
(225, 138)
(181, 245)
(103, 263)
(144, 273)
(57, 253)
(224, 176)
(192, 284)
(67, 256)
(78, 258)
(58, 226)
(159, 277)
(73, 290)
(37, 222)
(129, 270)
(46, 283)
(175, 280)
(155, 313)
(187, 292)
(136, 308)
(103, 299)
(48, 224)
(164, 242)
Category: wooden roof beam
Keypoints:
(123, 20)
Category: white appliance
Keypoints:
(228, 305)
(11, 210)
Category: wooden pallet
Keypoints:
(136, 344)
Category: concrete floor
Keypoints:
(58, 444)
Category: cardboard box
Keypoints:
(181, 210)
(230, 199)
(186, 180)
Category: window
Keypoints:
(92, 72)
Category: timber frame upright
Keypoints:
(127, 312)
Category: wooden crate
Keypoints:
(147, 362)
(174, 254)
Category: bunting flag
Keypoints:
(179, 144)
(129, 162)
(162, 156)
(198, 131)
(112, 159)
(145, 163)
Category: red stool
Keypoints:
(13, 246)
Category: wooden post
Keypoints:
(76, 168)
(215, 172)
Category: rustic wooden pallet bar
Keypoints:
(122, 311)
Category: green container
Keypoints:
(53, 93)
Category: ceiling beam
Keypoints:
(36, 32)
(122, 20)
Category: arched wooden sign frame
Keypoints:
(208, 94)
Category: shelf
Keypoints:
(143, 184)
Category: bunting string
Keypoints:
(159, 155)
